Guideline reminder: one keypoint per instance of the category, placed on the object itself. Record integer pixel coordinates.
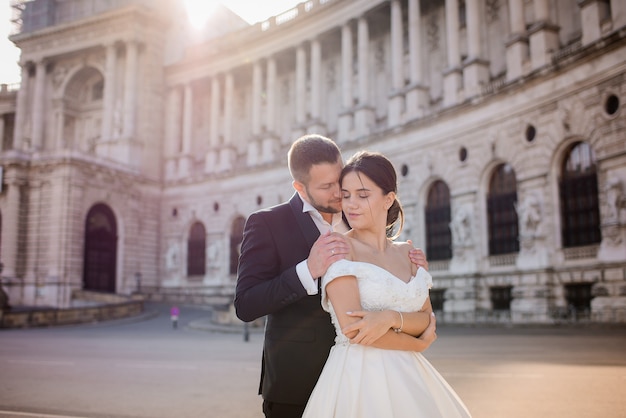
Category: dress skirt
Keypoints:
(366, 382)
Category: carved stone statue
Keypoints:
(615, 199)
(172, 258)
(461, 226)
(529, 214)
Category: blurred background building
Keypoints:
(134, 148)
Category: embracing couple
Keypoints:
(348, 308)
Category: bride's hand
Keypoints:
(370, 327)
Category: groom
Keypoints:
(285, 250)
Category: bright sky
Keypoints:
(250, 10)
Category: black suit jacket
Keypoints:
(298, 332)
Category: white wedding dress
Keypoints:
(360, 381)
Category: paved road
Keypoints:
(146, 369)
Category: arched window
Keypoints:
(437, 215)
(578, 190)
(501, 213)
(236, 236)
(196, 250)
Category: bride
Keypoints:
(387, 376)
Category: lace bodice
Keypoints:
(378, 288)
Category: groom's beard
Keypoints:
(332, 206)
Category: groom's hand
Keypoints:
(430, 333)
(417, 256)
(328, 248)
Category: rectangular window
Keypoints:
(500, 298)
(437, 299)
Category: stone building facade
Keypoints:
(134, 148)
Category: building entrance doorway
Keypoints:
(99, 264)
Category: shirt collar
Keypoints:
(307, 207)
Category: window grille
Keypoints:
(438, 235)
(501, 213)
(578, 188)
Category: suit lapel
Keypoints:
(306, 224)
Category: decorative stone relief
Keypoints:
(214, 252)
(172, 257)
(432, 32)
(461, 226)
(615, 204)
(58, 76)
(529, 215)
(615, 199)
(492, 10)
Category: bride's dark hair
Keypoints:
(380, 170)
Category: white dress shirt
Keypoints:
(309, 282)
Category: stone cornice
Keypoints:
(89, 32)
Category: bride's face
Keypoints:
(364, 203)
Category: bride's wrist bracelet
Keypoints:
(399, 329)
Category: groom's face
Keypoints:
(322, 190)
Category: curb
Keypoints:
(207, 325)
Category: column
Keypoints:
(476, 68)
(543, 35)
(109, 92)
(363, 59)
(130, 90)
(300, 86)
(591, 12)
(270, 141)
(211, 161)
(229, 89)
(418, 97)
(364, 113)
(345, 117)
(618, 13)
(60, 141)
(11, 230)
(254, 146)
(38, 106)
(542, 10)
(316, 75)
(396, 97)
(228, 150)
(173, 144)
(452, 75)
(187, 118)
(517, 45)
(214, 119)
(20, 111)
(256, 99)
(2, 127)
(270, 95)
(184, 165)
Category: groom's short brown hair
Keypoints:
(309, 150)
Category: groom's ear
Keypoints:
(298, 186)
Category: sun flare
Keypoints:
(199, 11)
